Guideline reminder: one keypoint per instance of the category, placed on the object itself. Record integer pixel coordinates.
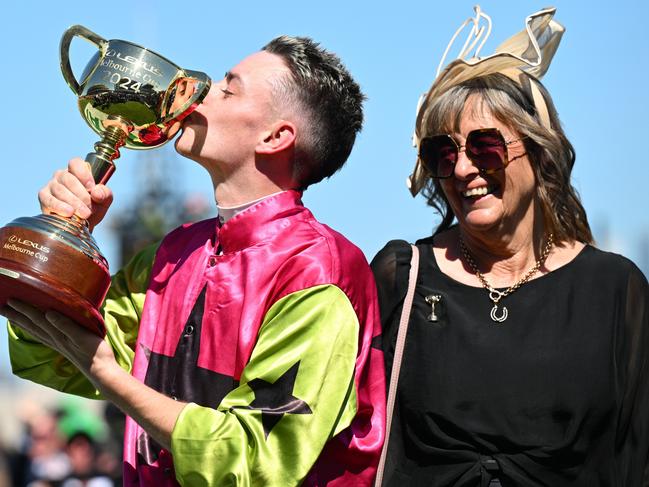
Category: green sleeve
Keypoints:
(122, 309)
(296, 392)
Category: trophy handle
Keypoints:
(204, 84)
(68, 35)
(177, 107)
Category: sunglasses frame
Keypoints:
(459, 148)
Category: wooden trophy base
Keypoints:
(53, 263)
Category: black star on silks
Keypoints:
(180, 377)
(277, 399)
(377, 342)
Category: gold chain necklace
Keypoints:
(496, 295)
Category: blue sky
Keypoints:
(597, 79)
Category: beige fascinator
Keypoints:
(530, 51)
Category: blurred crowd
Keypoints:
(68, 445)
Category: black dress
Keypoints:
(556, 395)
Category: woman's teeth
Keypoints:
(481, 191)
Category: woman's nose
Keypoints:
(464, 167)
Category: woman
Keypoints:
(527, 352)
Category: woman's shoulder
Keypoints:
(399, 252)
(608, 260)
(594, 263)
(391, 267)
(395, 251)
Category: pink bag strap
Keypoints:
(398, 354)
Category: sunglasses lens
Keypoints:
(487, 149)
(438, 155)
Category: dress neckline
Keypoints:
(554, 273)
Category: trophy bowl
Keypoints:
(133, 98)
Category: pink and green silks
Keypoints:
(268, 326)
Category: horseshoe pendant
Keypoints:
(495, 317)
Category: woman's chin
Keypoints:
(480, 219)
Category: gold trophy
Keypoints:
(134, 98)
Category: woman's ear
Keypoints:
(279, 138)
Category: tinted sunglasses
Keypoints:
(485, 148)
